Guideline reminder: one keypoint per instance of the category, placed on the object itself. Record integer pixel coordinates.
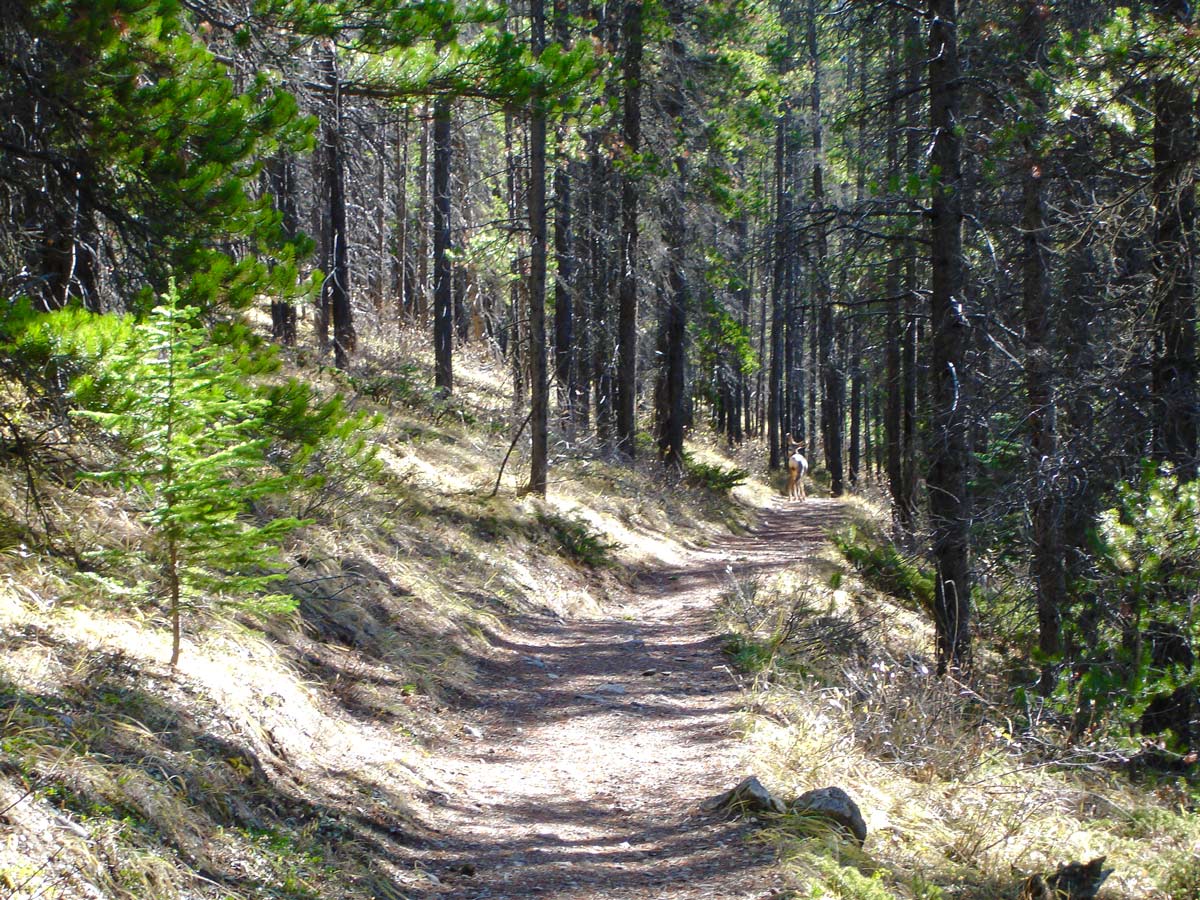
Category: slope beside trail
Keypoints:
(583, 768)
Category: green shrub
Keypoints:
(577, 540)
(713, 477)
(1181, 881)
(408, 388)
(1142, 645)
(750, 654)
(321, 445)
(881, 564)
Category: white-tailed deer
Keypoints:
(797, 469)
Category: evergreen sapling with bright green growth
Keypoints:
(195, 452)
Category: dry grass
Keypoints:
(277, 757)
(957, 805)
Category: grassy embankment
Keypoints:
(965, 792)
(290, 760)
(287, 758)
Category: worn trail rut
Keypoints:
(582, 772)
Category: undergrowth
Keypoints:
(884, 567)
(286, 756)
(578, 541)
(713, 477)
(964, 791)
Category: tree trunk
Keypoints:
(949, 454)
(174, 605)
(1174, 190)
(778, 288)
(564, 260)
(856, 406)
(421, 300)
(910, 370)
(443, 307)
(584, 255)
(602, 339)
(460, 169)
(675, 298)
(539, 388)
(402, 279)
(337, 283)
(283, 185)
(627, 317)
(739, 423)
(831, 376)
(893, 437)
(1049, 573)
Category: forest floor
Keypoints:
(587, 758)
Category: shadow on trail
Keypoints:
(660, 670)
(645, 670)
(788, 534)
(628, 862)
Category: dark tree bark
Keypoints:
(830, 366)
(443, 311)
(740, 423)
(564, 303)
(539, 387)
(893, 436)
(421, 300)
(460, 224)
(67, 256)
(584, 255)
(282, 174)
(627, 319)
(856, 406)
(778, 288)
(1075, 318)
(1174, 368)
(377, 274)
(605, 261)
(1048, 569)
(949, 454)
(602, 342)
(914, 53)
(814, 430)
(673, 327)
(337, 282)
(402, 270)
(321, 316)
(564, 299)
(516, 320)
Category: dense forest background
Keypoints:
(949, 248)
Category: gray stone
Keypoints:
(835, 804)
(749, 798)
(1072, 881)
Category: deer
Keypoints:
(797, 468)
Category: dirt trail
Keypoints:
(582, 774)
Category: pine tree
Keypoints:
(139, 144)
(194, 452)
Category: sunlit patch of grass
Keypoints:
(281, 751)
(957, 802)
